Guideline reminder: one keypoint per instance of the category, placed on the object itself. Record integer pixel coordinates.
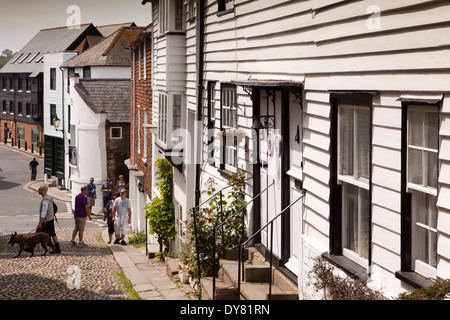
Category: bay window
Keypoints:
(170, 16)
(170, 123)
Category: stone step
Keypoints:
(223, 291)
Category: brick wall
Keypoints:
(28, 128)
(141, 104)
(117, 151)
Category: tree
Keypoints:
(160, 211)
(7, 53)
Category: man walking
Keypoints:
(80, 214)
(121, 213)
(91, 195)
(33, 167)
(107, 191)
(47, 217)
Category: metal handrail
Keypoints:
(194, 210)
(271, 248)
(222, 224)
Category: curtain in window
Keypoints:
(356, 219)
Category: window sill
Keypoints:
(171, 33)
(224, 12)
(351, 268)
(415, 280)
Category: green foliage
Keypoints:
(160, 211)
(219, 209)
(437, 291)
(137, 239)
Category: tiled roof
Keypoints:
(29, 58)
(108, 30)
(111, 96)
(111, 51)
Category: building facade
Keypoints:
(99, 105)
(27, 79)
(351, 102)
(140, 163)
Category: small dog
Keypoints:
(31, 239)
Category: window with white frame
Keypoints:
(423, 146)
(176, 119)
(170, 16)
(229, 118)
(191, 8)
(139, 130)
(145, 133)
(162, 122)
(354, 144)
(115, 133)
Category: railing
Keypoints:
(241, 246)
(194, 211)
(242, 236)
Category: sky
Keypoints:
(21, 20)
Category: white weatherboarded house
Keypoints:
(353, 104)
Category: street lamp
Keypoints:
(56, 123)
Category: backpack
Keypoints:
(55, 208)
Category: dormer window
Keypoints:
(23, 59)
(17, 58)
(32, 58)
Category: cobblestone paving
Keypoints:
(79, 273)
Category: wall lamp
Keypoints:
(56, 123)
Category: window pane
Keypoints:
(433, 249)
(346, 141)
(432, 164)
(422, 244)
(362, 142)
(415, 166)
(433, 211)
(364, 210)
(415, 128)
(432, 130)
(421, 208)
(350, 198)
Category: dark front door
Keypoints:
(54, 157)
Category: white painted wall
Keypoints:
(90, 141)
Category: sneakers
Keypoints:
(119, 241)
(80, 243)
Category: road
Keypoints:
(19, 206)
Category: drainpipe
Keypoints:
(64, 126)
(200, 28)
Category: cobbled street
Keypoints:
(54, 277)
